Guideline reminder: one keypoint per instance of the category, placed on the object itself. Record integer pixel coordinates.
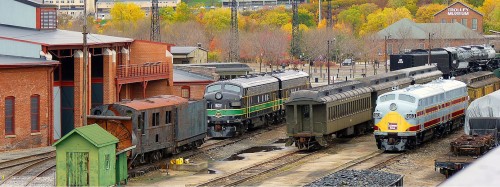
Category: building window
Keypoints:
(421, 45)
(9, 115)
(35, 113)
(389, 49)
(464, 22)
(453, 20)
(443, 20)
(474, 24)
(185, 92)
(48, 19)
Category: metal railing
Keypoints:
(142, 70)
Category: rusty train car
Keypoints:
(155, 126)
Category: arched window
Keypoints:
(185, 92)
(9, 115)
(35, 113)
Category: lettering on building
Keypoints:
(458, 11)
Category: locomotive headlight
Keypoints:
(393, 106)
(376, 115)
(218, 96)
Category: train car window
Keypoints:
(141, 120)
(214, 88)
(168, 117)
(407, 98)
(156, 119)
(232, 88)
(305, 111)
(388, 97)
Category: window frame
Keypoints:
(12, 116)
(188, 90)
(38, 113)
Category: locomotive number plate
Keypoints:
(393, 126)
(218, 105)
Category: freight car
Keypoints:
(234, 106)
(156, 126)
(480, 83)
(452, 61)
(316, 115)
(407, 117)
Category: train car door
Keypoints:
(304, 117)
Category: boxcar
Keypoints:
(480, 83)
(156, 126)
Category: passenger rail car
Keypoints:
(316, 115)
(156, 126)
(235, 105)
(480, 83)
(422, 74)
(407, 117)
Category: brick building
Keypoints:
(461, 13)
(190, 81)
(25, 101)
(405, 35)
(119, 68)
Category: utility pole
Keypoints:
(319, 11)
(234, 51)
(385, 49)
(429, 54)
(329, 20)
(295, 49)
(85, 65)
(155, 22)
(328, 60)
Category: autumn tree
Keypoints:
(425, 14)
(411, 5)
(167, 14)
(475, 3)
(306, 17)
(182, 13)
(383, 18)
(355, 16)
(126, 12)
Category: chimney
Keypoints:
(199, 44)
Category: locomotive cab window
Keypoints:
(305, 111)
(407, 98)
(232, 88)
(214, 88)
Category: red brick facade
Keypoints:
(22, 84)
(458, 12)
(195, 90)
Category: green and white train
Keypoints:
(234, 106)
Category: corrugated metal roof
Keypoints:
(6, 60)
(185, 76)
(56, 37)
(224, 67)
(183, 50)
(94, 134)
(154, 102)
(407, 29)
(290, 74)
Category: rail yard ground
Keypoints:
(417, 166)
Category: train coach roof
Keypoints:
(429, 89)
(382, 77)
(154, 102)
(428, 74)
(331, 92)
(469, 78)
(290, 74)
(425, 68)
(338, 86)
(253, 81)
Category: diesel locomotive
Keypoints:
(235, 105)
(407, 117)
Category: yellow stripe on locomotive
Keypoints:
(393, 122)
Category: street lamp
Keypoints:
(260, 65)
(328, 57)
(429, 55)
(385, 45)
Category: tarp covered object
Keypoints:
(486, 106)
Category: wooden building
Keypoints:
(189, 55)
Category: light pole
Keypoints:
(385, 48)
(260, 65)
(328, 57)
(429, 54)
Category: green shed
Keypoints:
(86, 157)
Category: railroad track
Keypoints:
(141, 170)
(30, 172)
(23, 160)
(257, 169)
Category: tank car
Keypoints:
(407, 117)
(235, 105)
(156, 126)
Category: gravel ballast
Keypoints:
(357, 178)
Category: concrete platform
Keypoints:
(15, 154)
(194, 167)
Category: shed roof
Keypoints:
(154, 102)
(55, 37)
(224, 67)
(407, 29)
(7, 60)
(186, 76)
(183, 50)
(94, 134)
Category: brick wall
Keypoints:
(22, 84)
(458, 11)
(196, 90)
